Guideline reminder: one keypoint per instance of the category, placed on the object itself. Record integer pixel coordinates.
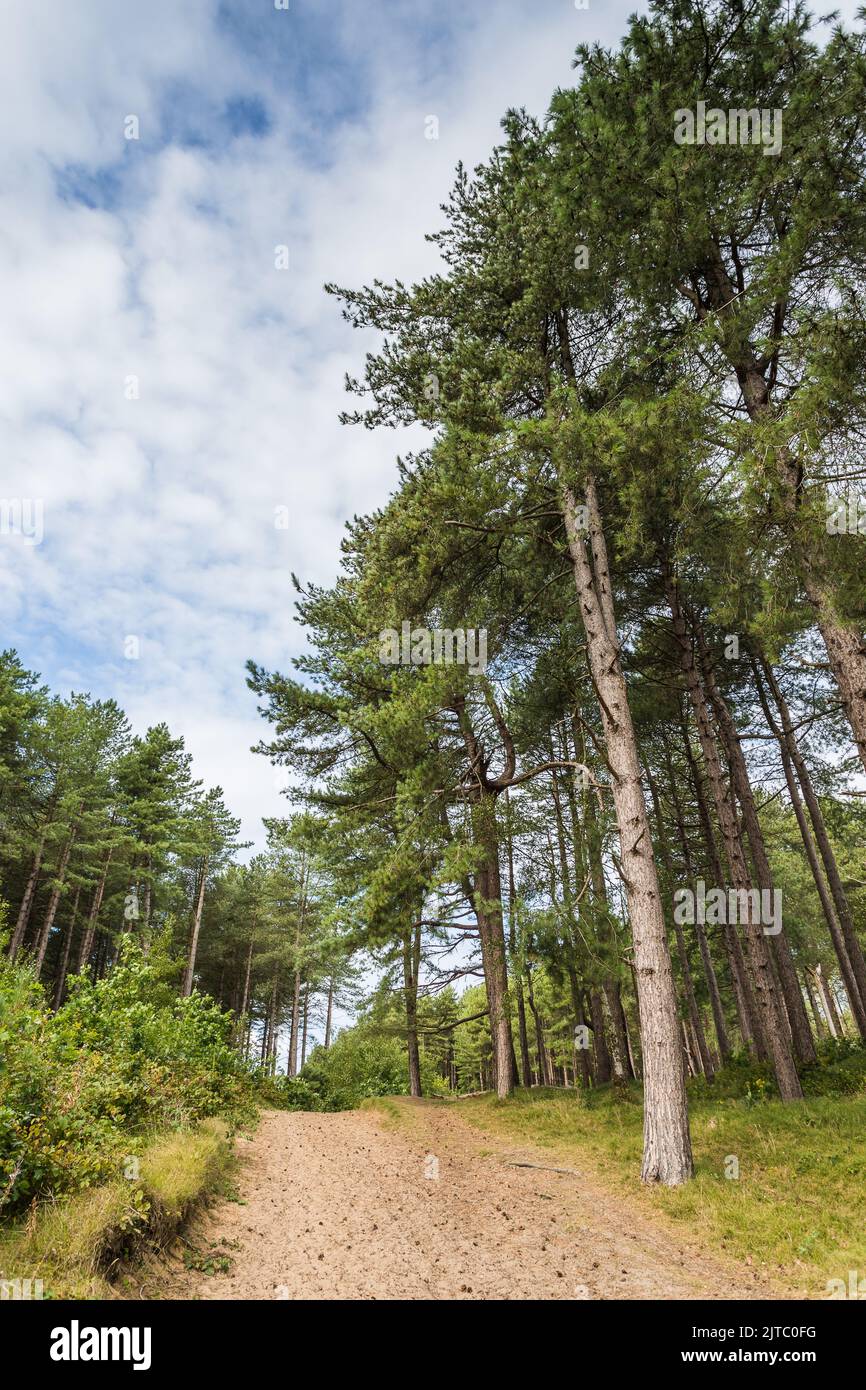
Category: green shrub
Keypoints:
(124, 1057)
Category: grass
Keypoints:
(797, 1207)
(75, 1246)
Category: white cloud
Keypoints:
(160, 510)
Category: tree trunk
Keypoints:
(820, 1025)
(329, 1013)
(516, 966)
(852, 987)
(27, 900)
(801, 1033)
(769, 1006)
(488, 911)
(63, 964)
(831, 868)
(667, 1154)
(685, 968)
(411, 967)
(744, 999)
(42, 942)
(700, 932)
(845, 647)
(90, 929)
(189, 973)
(833, 1018)
(543, 1069)
(306, 1021)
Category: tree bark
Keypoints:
(42, 942)
(833, 1018)
(411, 967)
(27, 900)
(63, 964)
(831, 868)
(697, 1026)
(845, 647)
(852, 987)
(90, 929)
(667, 1154)
(329, 1013)
(516, 966)
(769, 1006)
(189, 973)
(801, 1033)
(700, 932)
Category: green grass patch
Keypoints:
(797, 1207)
(75, 1245)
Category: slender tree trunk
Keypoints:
(744, 999)
(667, 1153)
(488, 911)
(582, 1052)
(610, 985)
(306, 1021)
(411, 967)
(516, 965)
(700, 932)
(245, 995)
(42, 942)
(820, 1025)
(63, 964)
(685, 967)
(543, 1067)
(329, 1014)
(769, 1005)
(86, 946)
(801, 1033)
(844, 644)
(833, 1018)
(603, 1062)
(822, 839)
(295, 1029)
(27, 900)
(189, 973)
(852, 987)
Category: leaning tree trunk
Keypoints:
(63, 965)
(769, 1006)
(845, 647)
(833, 1018)
(744, 999)
(189, 973)
(667, 1154)
(831, 868)
(703, 944)
(90, 929)
(42, 942)
(26, 905)
(697, 1026)
(801, 1033)
(852, 987)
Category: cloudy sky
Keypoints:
(164, 386)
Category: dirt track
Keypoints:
(341, 1206)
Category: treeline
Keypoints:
(106, 834)
(642, 365)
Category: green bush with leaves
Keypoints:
(125, 1057)
(359, 1064)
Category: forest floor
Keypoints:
(406, 1200)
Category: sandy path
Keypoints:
(338, 1206)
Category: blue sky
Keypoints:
(164, 388)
